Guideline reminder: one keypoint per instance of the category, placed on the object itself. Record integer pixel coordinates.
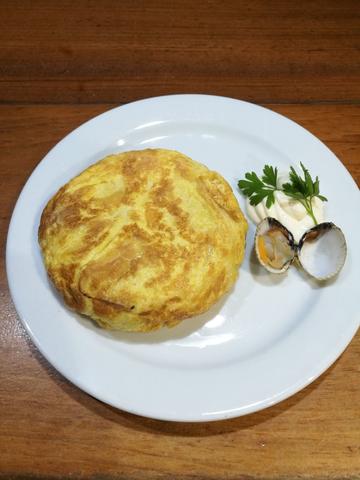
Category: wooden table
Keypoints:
(62, 63)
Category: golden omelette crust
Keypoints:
(143, 239)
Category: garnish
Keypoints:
(301, 189)
(257, 189)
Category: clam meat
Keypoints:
(274, 245)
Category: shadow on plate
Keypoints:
(314, 284)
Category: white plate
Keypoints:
(269, 338)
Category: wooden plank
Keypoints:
(110, 51)
(50, 428)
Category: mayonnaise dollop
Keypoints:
(288, 211)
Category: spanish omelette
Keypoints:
(143, 239)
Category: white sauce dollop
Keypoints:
(288, 211)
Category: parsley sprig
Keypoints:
(257, 189)
(301, 189)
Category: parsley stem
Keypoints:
(307, 203)
(311, 213)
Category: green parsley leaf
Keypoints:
(303, 190)
(270, 175)
(258, 189)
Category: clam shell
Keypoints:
(322, 251)
(274, 245)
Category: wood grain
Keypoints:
(51, 429)
(110, 51)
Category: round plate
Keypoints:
(270, 337)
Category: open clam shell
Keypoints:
(322, 251)
(274, 245)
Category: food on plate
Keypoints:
(274, 245)
(286, 209)
(143, 239)
(321, 251)
(294, 201)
